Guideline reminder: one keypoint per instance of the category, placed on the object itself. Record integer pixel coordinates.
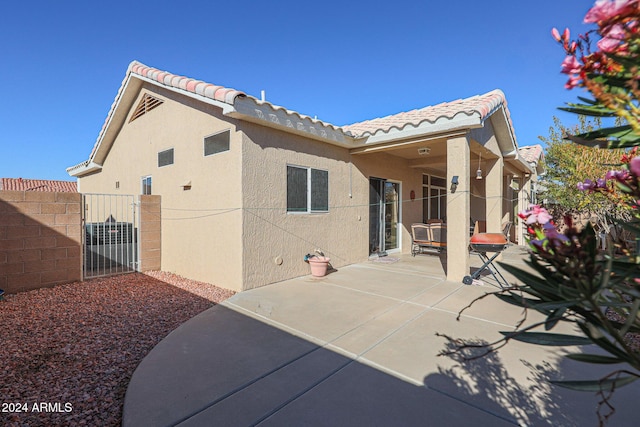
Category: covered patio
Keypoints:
(469, 150)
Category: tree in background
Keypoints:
(569, 165)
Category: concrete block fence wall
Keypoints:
(41, 238)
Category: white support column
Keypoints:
(458, 208)
(523, 204)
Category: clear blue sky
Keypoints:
(62, 62)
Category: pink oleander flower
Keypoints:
(571, 65)
(611, 40)
(535, 214)
(606, 9)
(587, 185)
(617, 175)
(572, 82)
(634, 166)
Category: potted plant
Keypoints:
(319, 264)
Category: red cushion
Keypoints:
(489, 238)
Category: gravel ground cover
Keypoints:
(68, 352)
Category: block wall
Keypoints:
(40, 239)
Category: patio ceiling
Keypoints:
(429, 154)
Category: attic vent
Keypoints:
(146, 104)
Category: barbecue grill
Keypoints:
(482, 244)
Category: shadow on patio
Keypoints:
(357, 347)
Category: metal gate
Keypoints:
(111, 225)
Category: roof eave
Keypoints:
(83, 168)
(227, 109)
(506, 139)
(441, 127)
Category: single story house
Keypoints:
(248, 188)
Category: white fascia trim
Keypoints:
(426, 128)
(80, 170)
(227, 109)
(526, 164)
(266, 114)
(512, 137)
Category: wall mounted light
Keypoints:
(454, 183)
(412, 195)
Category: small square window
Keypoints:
(165, 158)
(307, 189)
(217, 143)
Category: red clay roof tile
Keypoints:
(482, 105)
(219, 93)
(531, 153)
(21, 184)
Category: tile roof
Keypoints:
(448, 115)
(531, 153)
(480, 105)
(208, 90)
(21, 184)
(193, 86)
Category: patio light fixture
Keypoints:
(454, 183)
(479, 171)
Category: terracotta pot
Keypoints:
(319, 265)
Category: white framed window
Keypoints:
(434, 193)
(165, 158)
(217, 143)
(146, 185)
(307, 189)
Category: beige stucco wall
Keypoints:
(270, 233)
(200, 226)
(275, 241)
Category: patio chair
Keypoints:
(506, 230)
(419, 237)
(430, 236)
(438, 232)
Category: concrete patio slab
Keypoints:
(358, 347)
(361, 396)
(271, 392)
(359, 340)
(321, 310)
(365, 278)
(203, 361)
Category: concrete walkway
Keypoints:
(359, 348)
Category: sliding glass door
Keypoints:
(384, 215)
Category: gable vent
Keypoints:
(146, 104)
